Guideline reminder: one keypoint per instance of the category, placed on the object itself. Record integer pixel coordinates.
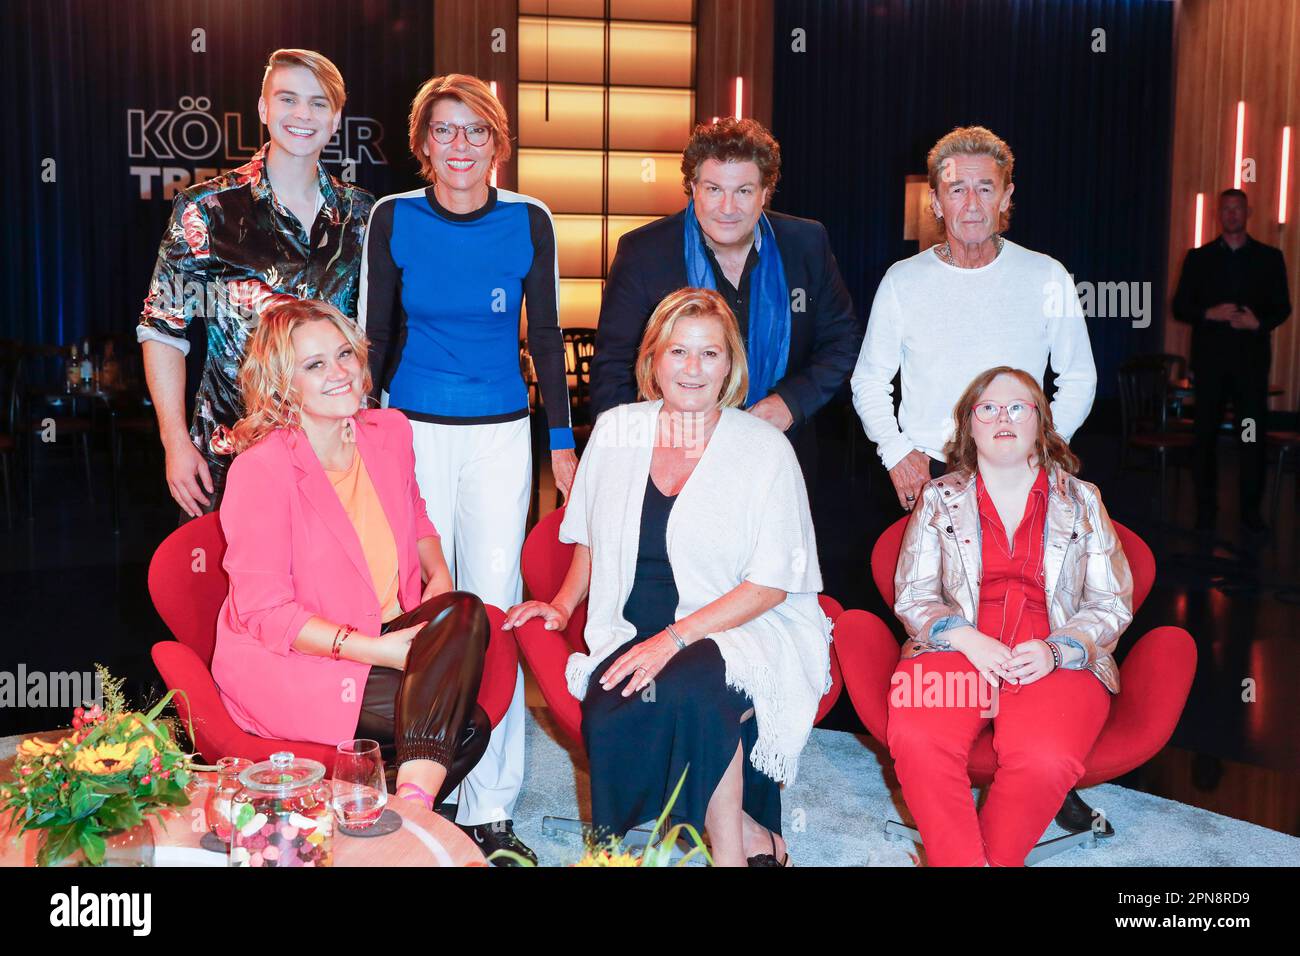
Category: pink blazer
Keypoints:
(292, 553)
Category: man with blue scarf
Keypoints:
(777, 273)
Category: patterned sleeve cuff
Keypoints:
(1073, 654)
(945, 624)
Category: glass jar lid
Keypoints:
(282, 775)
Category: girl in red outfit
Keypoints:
(1014, 590)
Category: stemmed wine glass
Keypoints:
(359, 791)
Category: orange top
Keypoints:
(366, 512)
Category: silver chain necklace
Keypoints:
(944, 252)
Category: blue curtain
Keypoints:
(881, 80)
(87, 85)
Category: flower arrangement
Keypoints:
(657, 852)
(113, 770)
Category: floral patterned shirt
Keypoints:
(232, 250)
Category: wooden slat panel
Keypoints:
(1226, 52)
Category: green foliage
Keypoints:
(109, 774)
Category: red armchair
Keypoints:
(187, 585)
(1154, 680)
(545, 562)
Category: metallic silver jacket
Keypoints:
(1087, 579)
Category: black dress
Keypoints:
(639, 747)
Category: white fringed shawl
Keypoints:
(742, 516)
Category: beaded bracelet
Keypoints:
(1056, 654)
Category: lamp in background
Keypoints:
(1200, 219)
(918, 219)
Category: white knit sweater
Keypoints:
(742, 516)
(945, 325)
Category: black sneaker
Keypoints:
(500, 835)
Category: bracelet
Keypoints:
(672, 632)
(338, 641)
(334, 647)
(1056, 654)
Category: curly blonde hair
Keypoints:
(688, 303)
(266, 375)
(1049, 447)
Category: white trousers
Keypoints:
(476, 482)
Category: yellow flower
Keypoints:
(35, 747)
(109, 758)
(603, 858)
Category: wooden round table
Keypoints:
(425, 839)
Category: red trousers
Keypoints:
(1042, 732)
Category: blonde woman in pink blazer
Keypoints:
(340, 621)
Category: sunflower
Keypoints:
(109, 758)
(35, 747)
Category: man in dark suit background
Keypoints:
(1233, 293)
(777, 273)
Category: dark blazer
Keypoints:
(1253, 276)
(651, 262)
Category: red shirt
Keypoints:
(1013, 598)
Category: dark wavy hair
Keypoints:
(733, 141)
(1049, 446)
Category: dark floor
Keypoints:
(75, 594)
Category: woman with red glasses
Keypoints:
(1014, 589)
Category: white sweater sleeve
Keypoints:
(873, 377)
(1076, 375)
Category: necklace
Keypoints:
(944, 252)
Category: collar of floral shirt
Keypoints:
(255, 175)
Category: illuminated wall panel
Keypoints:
(579, 239)
(580, 303)
(567, 180)
(631, 194)
(604, 109)
(577, 50)
(678, 11)
(681, 11)
(576, 118)
(649, 119)
(642, 54)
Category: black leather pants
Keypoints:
(429, 711)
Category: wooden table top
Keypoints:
(425, 839)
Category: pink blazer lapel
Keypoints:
(315, 488)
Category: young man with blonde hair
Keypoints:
(278, 227)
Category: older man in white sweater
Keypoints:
(972, 303)
(959, 308)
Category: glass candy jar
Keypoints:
(282, 815)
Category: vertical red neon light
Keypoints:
(1241, 142)
(493, 87)
(1286, 175)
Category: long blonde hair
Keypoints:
(688, 303)
(1049, 447)
(266, 375)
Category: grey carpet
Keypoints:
(834, 814)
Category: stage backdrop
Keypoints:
(867, 87)
(112, 107)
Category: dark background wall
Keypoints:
(101, 87)
(881, 80)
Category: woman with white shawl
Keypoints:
(707, 651)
